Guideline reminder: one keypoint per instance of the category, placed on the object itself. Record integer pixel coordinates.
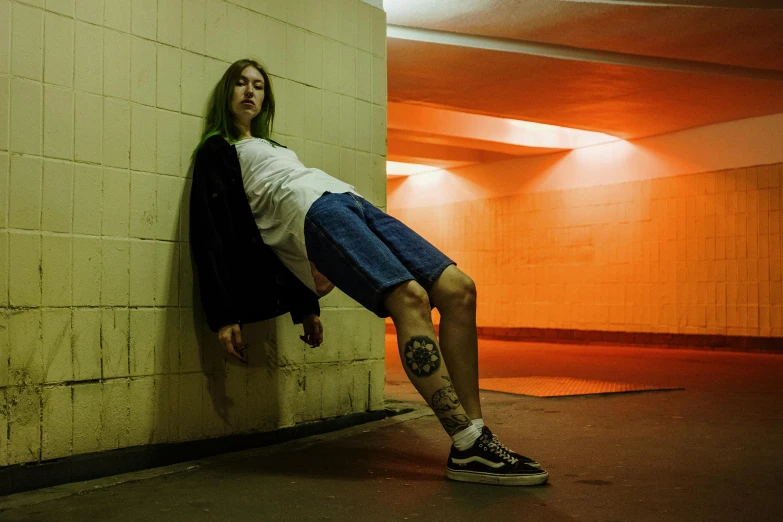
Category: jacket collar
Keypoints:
(228, 154)
(231, 160)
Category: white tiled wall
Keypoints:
(101, 104)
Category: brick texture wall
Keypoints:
(691, 254)
(101, 104)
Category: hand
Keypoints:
(322, 285)
(313, 330)
(230, 337)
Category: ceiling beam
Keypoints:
(408, 149)
(564, 52)
(477, 131)
(733, 4)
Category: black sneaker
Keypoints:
(520, 458)
(486, 462)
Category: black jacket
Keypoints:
(241, 280)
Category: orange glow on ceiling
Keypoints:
(487, 132)
(422, 139)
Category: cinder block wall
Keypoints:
(101, 104)
(694, 254)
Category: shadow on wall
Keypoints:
(201, 391)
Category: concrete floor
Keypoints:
(710, 452)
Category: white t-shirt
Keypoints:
(280, 190)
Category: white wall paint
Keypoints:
(111, 290)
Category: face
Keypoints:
(248, 94)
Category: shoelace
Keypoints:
(500, 444)
(501, 451)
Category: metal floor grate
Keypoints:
(561, 386)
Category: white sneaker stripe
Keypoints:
(479, 459)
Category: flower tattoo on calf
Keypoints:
(445, 399)
(421, 356)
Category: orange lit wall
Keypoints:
(644, 240)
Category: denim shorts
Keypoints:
(366, 252)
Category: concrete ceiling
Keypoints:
(630, 69)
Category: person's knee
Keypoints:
(458, 293)
(465, 292)
(408, 297)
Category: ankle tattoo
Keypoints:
(421, 356)
(445, 399)
(454, 423)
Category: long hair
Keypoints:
(220, 119)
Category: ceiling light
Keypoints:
(396, 168)
(534, 134)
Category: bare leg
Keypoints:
(454, 294)
(409, 308)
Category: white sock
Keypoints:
(465, 438)
(479, 423)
